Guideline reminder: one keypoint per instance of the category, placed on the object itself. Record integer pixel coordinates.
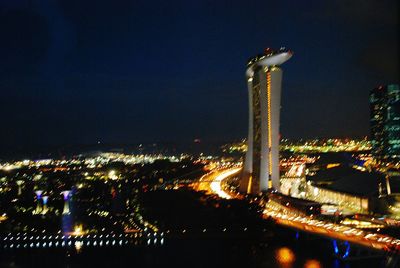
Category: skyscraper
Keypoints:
(385, 122)
(264, 78)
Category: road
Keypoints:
(212, 181)
(331, 230)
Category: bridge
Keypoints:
(341, 235)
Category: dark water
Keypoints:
(279, 251)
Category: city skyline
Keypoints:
(83, 80)
(124, 124)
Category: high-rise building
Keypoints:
(385, 122)
(264, 78)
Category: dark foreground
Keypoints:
(281, 250)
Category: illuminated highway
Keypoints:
(331, 230)
(306, 223)
(216, 184)
(211, 182)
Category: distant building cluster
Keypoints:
(96, 192)
(326, 145)
(93, 161)
(309, 146)
(385, 123)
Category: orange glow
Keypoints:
(332, 165)
(210, 166)
(3, 217)
(78, 230)
(285, 256)
(249, 184)
(61, 169)
(131, 230)
(312, 264)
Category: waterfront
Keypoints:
(283, 249)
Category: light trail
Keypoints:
(296, 170)
(308, 224)
(328, 229)
(216, 184)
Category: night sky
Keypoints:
(79, 71)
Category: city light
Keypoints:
(78, 230)
(285, 256)
(216, 184)
(121, 141)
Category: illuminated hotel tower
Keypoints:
(264, 78)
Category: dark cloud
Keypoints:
(371, 27)
(380, 60)
(364, 12)
(24, 38)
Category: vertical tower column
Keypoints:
(276, 83)
(270, 98)
(246, 183)
(265, 103)
(249, 154)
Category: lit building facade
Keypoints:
(357, 203)
(264, 78)
(385, 122)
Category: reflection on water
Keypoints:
(285, 257)
(278, 252)
(78, 246)
(312, 264)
